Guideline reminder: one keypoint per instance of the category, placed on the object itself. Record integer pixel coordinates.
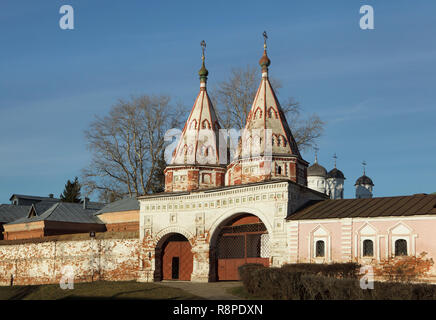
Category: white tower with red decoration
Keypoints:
(196, 160)
(267, 150)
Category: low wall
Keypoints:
(93, 259)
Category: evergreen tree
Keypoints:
(157, 181)
(71, 192)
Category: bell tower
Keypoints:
(196, 160)
(266, 150)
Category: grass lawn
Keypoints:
(96, 290)
(242, 293)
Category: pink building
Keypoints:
(365, 230)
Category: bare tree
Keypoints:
(234, 97)
(128, 147)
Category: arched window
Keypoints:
(401, 247)
(205, 124)
(258, 113)
(279, 140)
(274, 140)
(320, 248)
(193, 124)
(272, 112)
(368, 248)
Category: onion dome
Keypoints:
(335, 174)
(264, 61)
(316, 170)
(364, 180)
(203, 73)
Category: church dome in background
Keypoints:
(335, 174)
(316, 170)
(364, 180)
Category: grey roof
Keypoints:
(418, 204)
(316, 170)
(364, 180)
(63, 212)
(335, 174)
(23, 196)
(9, 212)
(93, 205)
(127, 204)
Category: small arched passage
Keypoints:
(238, 240)
(174, 258)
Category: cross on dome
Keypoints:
(264, 61)
(203, 73)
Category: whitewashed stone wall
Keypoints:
(95, 259)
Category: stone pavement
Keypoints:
(208, 290)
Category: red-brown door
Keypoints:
(235, 250)
(228, 268)
(177, 260)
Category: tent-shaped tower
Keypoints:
(196, 160)
(267, 150)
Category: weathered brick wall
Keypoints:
(96, 259)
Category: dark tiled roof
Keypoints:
(127, 204)
(419, 204)
(9, 212)
(336, 174)
(23, 196)
(316, 170)
(364, 180)
(64, 212)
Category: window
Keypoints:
(368, 248)
(320, 248)
(279, 170)
(206, 178)
(401, 247)
(205, 124)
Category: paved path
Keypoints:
(209, 290)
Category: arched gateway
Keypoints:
(239, 240)
(174, 258)
(230, 212)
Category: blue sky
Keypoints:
(374, 88)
